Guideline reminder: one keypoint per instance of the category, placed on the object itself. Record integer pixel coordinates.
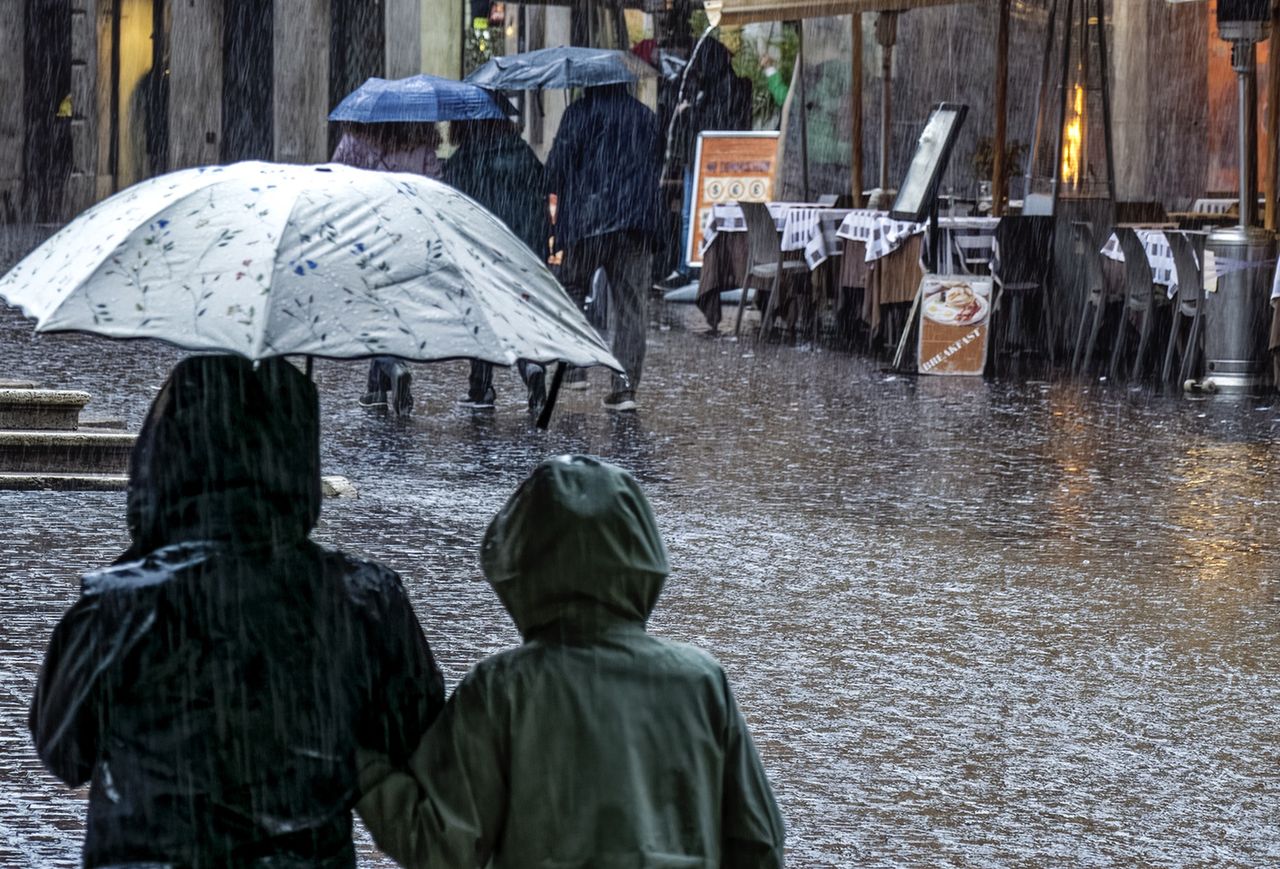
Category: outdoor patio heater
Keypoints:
(1072, 170)
(1238, 313)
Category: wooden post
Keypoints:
(855, 106)
(1273, 122)
(999, 171)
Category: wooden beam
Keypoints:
(1273, 122)
(999, 171)
(855, 107)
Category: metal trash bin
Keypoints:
(1237, 315)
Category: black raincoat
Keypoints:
(214, 684)
(604, 167)
(503, 174)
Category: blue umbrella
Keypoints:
(416, 98)
(561, 67)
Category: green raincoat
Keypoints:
(593, 744)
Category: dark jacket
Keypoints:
(214, 684)
(604, 167)
(504, 175)
(593, 743)
(708, 95)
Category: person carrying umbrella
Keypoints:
(390, 147)
(214, 684)
(498, 169)
(603, 168)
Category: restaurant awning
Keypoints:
(734, 12)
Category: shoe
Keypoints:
(619, 401)
(373, 399)
(673, 280)
(485, 402)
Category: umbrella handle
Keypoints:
(544, 418)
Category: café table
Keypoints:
(804, 228)
(1159, 255)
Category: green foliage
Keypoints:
(746, 62)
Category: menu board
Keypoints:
(954, 322)
(730, 166)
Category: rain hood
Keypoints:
(227, 453)
(575, 548)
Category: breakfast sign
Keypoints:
(954, 322)
(730, 166)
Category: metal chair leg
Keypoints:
(1122, 336)
(1191, 355)
(1167, 368)
(766, 321)
(1144, 339)
(742, 303)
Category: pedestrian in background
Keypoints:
(497, 168)
(603, 168)
(593, 743)
(390, 147)
(214, 684)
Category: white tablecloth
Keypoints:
(1159, 256)
(881, 234)
(801, 225)
(1165, 271)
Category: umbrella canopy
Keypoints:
(738, 12)
(265, 259)
(561, 67)
(416, 98)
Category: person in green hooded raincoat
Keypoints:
(593, 743)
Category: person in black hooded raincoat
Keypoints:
(498, 169)
(594, 743)
(214, 684)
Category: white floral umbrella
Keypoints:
(266, 259)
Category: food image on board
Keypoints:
(953, 328)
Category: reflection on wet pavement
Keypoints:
(969, 623)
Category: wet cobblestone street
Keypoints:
(969, 623)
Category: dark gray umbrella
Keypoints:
(560, 67)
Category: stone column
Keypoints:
(195, 84)
(90, 104)
(441, 26)
(301, 71)
(12, 121)
(404, 28)
(1131, 130)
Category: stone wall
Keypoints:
(195, 84)
(301, 70)
(11, 116)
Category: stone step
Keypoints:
(65, 452)
(332, 487)
(42, 482)
(41, 409)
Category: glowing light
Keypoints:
(1073, 139)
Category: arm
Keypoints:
(777, 87)
(447, 808)
(410, 690)
(751, 825)
(66, 711)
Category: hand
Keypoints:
(766, 61)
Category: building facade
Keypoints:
(104, 93)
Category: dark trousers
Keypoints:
(627, 259)
(481, 381)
